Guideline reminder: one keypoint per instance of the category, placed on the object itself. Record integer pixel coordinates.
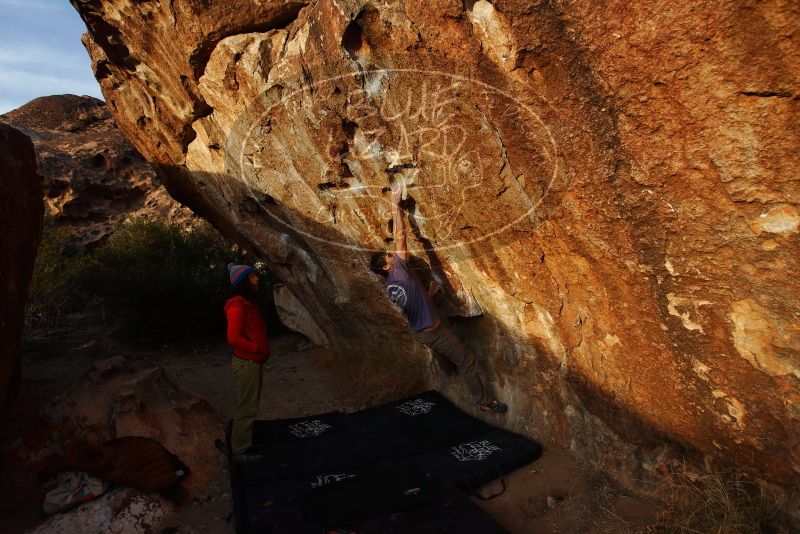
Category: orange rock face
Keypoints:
(21, 210)
(609, 192)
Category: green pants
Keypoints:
(445, 344)
(248, 377)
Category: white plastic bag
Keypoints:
(71, 489)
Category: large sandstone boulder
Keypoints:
(610, 190)
(21, 211)
(93, 177)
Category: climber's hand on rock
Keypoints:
(397, 195)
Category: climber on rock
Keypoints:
(409, 294)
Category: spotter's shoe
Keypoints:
(247, 457)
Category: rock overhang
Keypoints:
(639, 266)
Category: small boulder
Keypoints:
(112, 401)
(123, 511)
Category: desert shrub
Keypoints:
(53, 292)
(162, 282)
(150, 281)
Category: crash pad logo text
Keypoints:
(309, 429)
(416, 407)
(474, 451)
(327, 480)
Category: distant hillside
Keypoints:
(94, 177)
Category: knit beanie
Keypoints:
(238, 273)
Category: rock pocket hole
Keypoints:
(353, 40)
(324, 186)
(98, 161)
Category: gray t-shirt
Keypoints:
(408, 293)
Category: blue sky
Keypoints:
(41, 52)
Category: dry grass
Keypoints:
(721, 503)
(593, 512)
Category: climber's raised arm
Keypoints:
(406, 291)
(398, 224)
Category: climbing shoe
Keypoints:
(248, 457)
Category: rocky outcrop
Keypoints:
(296, 317)
(21, 210)
(609, 192)
(111, 401)
(123, 511)
(94, 177)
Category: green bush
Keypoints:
(154, 281)
(53, 292)
(158, 281)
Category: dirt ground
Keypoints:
(552, 495)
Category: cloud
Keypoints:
(13, 79)
(30, 5)
(20, 86)
(41, 53)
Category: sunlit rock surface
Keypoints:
(21, 210)
(610, 191)
(93, 177)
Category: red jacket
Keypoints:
(247, 333)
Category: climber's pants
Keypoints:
(248, 377)
(444, 343)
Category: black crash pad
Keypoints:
(479, 459)
(425, 422)
(384, 469)
(376, 489)
(306, 446)
(453, 513)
